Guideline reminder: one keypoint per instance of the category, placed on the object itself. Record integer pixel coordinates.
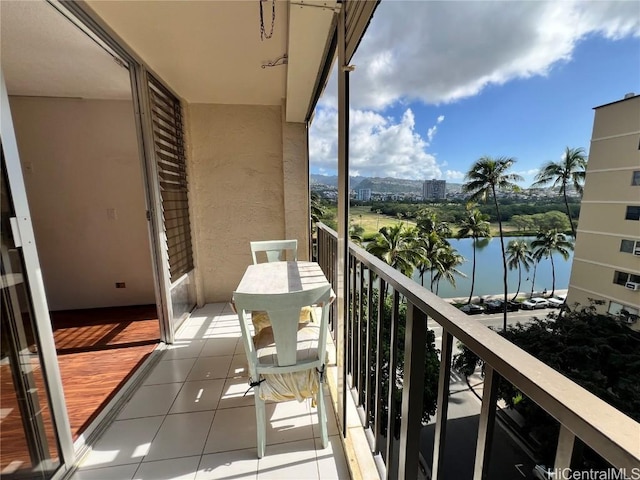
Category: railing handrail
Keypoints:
(605, 429)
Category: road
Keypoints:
(510, 460)
(494, 320)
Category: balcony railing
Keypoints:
(372, 369)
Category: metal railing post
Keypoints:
(487, 423)
(444, 379)
(412, 392)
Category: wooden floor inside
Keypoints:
(98, 350)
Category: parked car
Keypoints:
(534, 303)
(496, 306)
(472, 309)
(557, 301)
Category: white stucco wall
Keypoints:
(81, 161)
(237, 189)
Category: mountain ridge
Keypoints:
(379, 184)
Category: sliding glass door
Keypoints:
(34, 430)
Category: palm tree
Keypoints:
(519, 256)
(488, 176)
(317, 210)
(550, 242)
(475, 225)
(448, 260)
(432, 237)
(535, 256)
(396, 246)
(568, 171)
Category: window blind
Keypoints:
(168, 139)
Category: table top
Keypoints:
(281, 277)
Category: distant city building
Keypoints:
(364, 194)
(606, 263)
(434, 189)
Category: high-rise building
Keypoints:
(434, 189)
(364, 194)
(606, 264)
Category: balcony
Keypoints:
(385, 377)
(190, 416)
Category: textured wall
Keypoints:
(235, 166)
(295, 153)
(80, 159)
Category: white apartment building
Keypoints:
(606, 263)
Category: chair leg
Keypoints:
(260, 423)
(322, 416)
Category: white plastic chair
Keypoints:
(297, 347)
(275, 250)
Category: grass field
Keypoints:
(373, 222)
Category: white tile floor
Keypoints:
(190, 421)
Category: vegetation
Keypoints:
(431, 366)
(475, 226)
(519, 255)
(485, 178)
(550, 242)
(570, 170)
(396, 246)
(596, 351)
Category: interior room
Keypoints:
(72, 110)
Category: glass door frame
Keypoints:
(24, 238)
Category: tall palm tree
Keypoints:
(474, 225)
(568, 171)
(536, 259)
(550, 242)
(519, 255)
(486, 177)
(396, 246)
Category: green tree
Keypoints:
(596, 351)
(550, 242)
(570, 171)
(486, 177)
(356, 233)
(431, 366)
(317, 210)
(446, 264)
(474, 225)
(396, 245)
(432, 238)
(519, 256)
(535, 256)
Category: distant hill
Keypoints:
(381, 185)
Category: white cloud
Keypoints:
(528, 173)
(379, 146)
(454, 175)
(440, 119)
(437, 51)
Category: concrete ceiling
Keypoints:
(44, 54)
(212, 52)
(207, 51)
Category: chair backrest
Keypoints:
(284, 313)
(275, 250)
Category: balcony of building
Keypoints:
(191, 416)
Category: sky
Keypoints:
(439, 84)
